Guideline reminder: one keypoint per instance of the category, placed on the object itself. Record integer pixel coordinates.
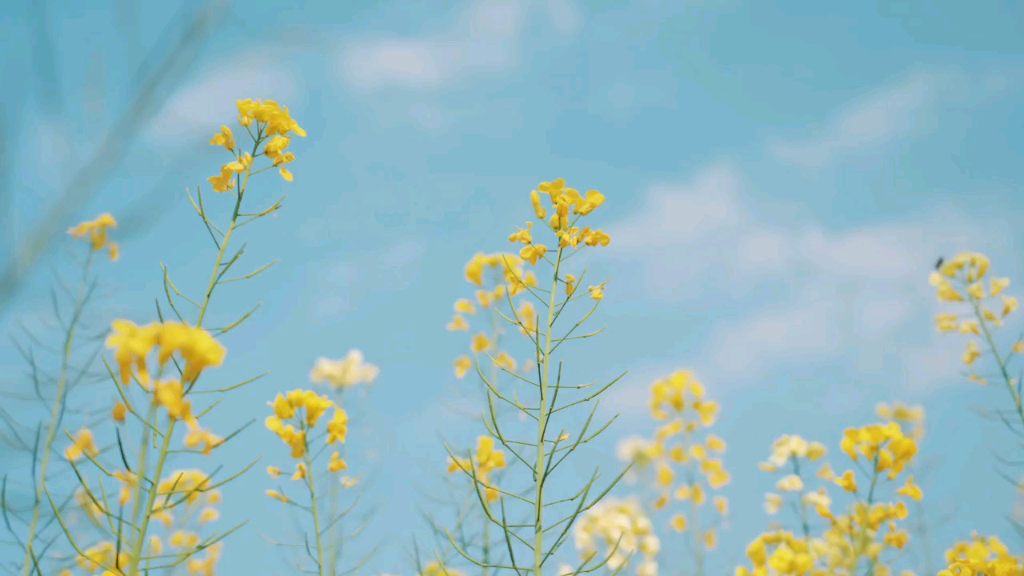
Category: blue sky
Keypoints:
(780, 178)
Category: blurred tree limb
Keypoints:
(161, 69)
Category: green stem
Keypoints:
(538, 528)
(494, 382)
(336, 533)
(698, 546)
(51, 432)
(863, 535)
(999, 359)
(136, 554)
(313, 506)
(922, 527)
(803, 507)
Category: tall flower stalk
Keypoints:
(134, 548)
(568, 207)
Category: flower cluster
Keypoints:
(983, 555)
(905, 416)
(345, 373)
(132, 345)
(83, 443)
(613, 521)
(884, 443)
(484, 461)
(641, 452)
(499, 276)
(962, 279)
(790, 450)
(100, 556)
(849, 538)
(681, 397)
(304, 408)
(569, 235)
(197, 347)
(273, 126)
(96, 230)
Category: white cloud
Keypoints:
(200, 107)
(866, 124)
(799, 295)
(486, 38)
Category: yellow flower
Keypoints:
(911, 490)
(790, 483)
(464, 306)
(772, 503)
(84, 443)
(721, 504)
(997, 285)
(480, 343)
(119, 411)
(208, 515)
(462, 365)
(715, 443)
(132, 344)
(847, 481)
(597, 237)
(570, 284)
(505, 361)
(337, 428)
(596, 292)
(537, 208)
(225, 139)
(336, 464)
(679, 523)
(274, 471)
(277, 496)
(170, 395)
(1009, 305)
(532, 253)
(594, 199)
(665, 475)
(459, 324)
(522, 235)
(97, 232)
(710, 541)
(972, 353)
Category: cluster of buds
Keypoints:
(962, 279)
(96, 230)
(344, 373)
(563, 201)
(304, 409)
(983, 555)
(624, 530)
(498, 276)
(849, 538)
(483, 462)
(273, 124)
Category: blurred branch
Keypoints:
(160, 75)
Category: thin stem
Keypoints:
(803, 505)
(316, 513)
(542, 422)
(136, 556)
(999, 359)
(58, 405)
